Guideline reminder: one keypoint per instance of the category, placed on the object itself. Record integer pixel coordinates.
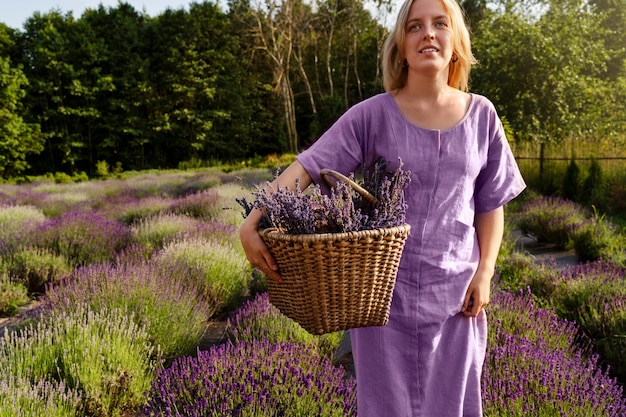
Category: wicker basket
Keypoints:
(336, 281)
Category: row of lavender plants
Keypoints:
(130, 271)
(570, 225)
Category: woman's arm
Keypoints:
(256, 251)
(489, 228)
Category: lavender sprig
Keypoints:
(342, 210)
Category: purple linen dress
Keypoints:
(427, 361)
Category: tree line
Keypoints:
(257, 77)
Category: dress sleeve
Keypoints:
(339, 148)
(500, 180)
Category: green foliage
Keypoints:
(102, 169)
(12, 296)
(103, 355)
(551, 95)
(35, 268)
(257, 319)
(156, 231)
(594, 186)
(163, 297)
(20, 397)
(571, 188)
(552, 220)
(599, 239)
(224, 272)
(18, 139)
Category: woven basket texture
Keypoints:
(336, 281)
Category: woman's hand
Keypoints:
(256, 250)
(478, 293)
(489, 229)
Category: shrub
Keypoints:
(16, 220)
(519, 271)
(551, 219)
(12, 296)
(570, 189)
(161, 297)
(132, 210)
(225, 272)
(616, 194)
(35, 267)
(154, 232)
(103, 355)
(258, 319)
(202, 205)
(20, 397)
(252, 379)
(599, 239)
(594, 295)
(82, 237)
(594, 186)
(533, 366)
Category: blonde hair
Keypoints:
(395, 73)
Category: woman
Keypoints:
(427, 360)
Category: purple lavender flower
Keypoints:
(82, 237)
(342, 210)
(257, 378)
(534, 367)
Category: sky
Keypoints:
(15, 12)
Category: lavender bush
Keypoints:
(258, 319)
(36, 267)
(155, 232)
(12, 296)
(597, 238)
(201, 205)
(518, 271)
(224, 271)
(534, 367)
(82, 237)
(252, 379)
(162, 297)
(103, 355)
(19, 397)
(594, 295)
(17, 220)
(552, 219)
(133, 210)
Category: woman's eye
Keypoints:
(441, 24)
(413, 28)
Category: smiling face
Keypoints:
(428, 43)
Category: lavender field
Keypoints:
(128, 273)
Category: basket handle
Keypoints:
(326, 173)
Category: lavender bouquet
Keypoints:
(342, 210)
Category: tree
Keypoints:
(544, 71)
(122, 132)
(613, 16)
(48, 64)
(18, 139)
